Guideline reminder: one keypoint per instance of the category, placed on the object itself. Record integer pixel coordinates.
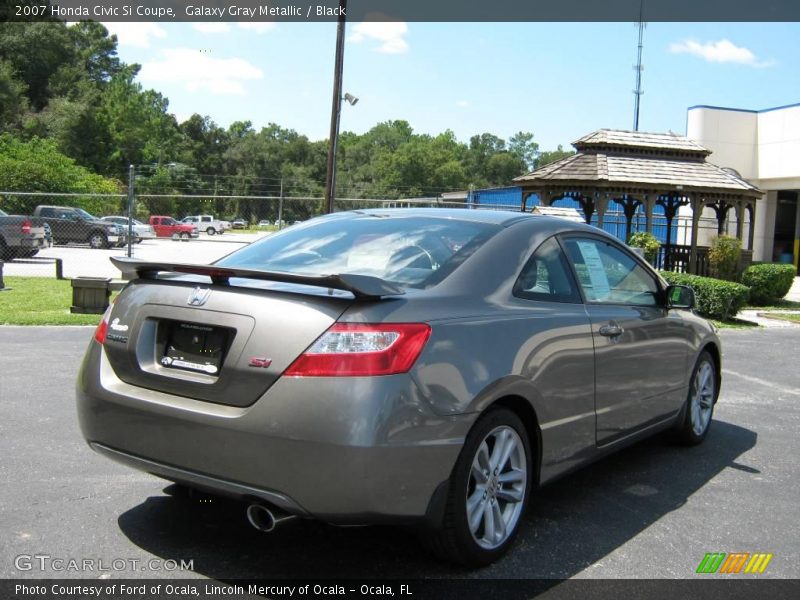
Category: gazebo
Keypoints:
(637, 172)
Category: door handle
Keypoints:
(611, 330)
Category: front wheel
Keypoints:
(211, 231)
(185, 236)
(703, 391)
(488, 492)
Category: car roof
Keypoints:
(504, 218)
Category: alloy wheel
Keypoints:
(496, 488)
(702, 402)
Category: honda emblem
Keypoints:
(199, 296)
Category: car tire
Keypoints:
(185, 236)
(97, 240)
(486, 501)
(29, 253)
(211, 231)
(696, 416)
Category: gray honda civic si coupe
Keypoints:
(424, 367)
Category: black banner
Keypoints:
(716, 588)
(404, 10)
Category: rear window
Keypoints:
(410, 251)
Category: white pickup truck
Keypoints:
(208, 224)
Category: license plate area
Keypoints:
(194, 347)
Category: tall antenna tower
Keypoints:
(638, 68)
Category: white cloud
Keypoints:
(135, 34)
(390, 35)
(258, 26)
(462, 103)
(200, 72)
(721, 51)
(212, 27)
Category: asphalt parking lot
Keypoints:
(651, 511)
(82, 261)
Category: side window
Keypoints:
(608, 275)
(47, 212)
(546, 276)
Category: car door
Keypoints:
(159, 224)
(63, 223)
(641, 349)
(557, 357)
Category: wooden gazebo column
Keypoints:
(588, 206)
(697, 209)
(649, 204)
(751, 207)
(740, 220)
(601, 205)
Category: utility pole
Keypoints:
(131, 178)
(280, 208)
(336, 108)
(638, 91)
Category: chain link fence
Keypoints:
(76, 234)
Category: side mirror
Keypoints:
(680, 296)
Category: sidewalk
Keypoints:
(752, 315)
(794, 293)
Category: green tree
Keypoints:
(37, 166)
(522, 146)
(36, 51)
(13, 101)
(549, 156)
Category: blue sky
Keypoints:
(557, 80)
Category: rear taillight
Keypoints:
(26, 227)
(102, 327)
(360, 349)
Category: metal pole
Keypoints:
(280, 208)
(131, 177)
(638, 92)
(336, 107)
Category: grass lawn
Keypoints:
(734, 324)
(783, 316)
(39, 301)
(779, 305)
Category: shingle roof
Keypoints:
(638, 139)
(612, 158)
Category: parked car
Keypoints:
(239, 224)
(74, 225)
(141, 231)
(208, 224)
(446, 364)
(167, 227)
(20, 236)
(264, 223)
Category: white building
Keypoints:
(763, 146)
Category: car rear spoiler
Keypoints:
(363, 287)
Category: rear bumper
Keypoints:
(344, 451)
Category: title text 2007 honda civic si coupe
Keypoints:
(420, 366)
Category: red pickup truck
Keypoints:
(168, 227)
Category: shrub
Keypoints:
(724, 257)
(716, 299)
(648, 242)
(768, 282)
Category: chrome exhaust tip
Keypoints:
(266, 519)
